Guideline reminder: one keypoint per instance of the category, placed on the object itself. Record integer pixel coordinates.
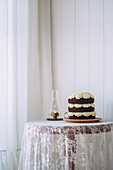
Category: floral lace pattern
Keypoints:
(66, 146)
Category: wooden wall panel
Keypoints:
(108, 59)
(96, 53)
(68, 51)
(82, 45)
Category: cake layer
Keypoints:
(82, 117)
(80, 101)
(78, 114)
(80, 105)
(81, 109)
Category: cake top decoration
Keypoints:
(80, 95)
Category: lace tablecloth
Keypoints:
(59, 145)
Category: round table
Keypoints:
(59, 145)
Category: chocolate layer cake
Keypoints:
(81, 106)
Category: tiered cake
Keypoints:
(81, 106)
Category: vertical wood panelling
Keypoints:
(68, 50)
(82, 38)
(108, 59)
(96, 53)
(82, 45)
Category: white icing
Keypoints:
(72, 96)
(81, 114)
(86, 95)
(80, 105)
(80, 95)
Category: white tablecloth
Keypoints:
(59, 145)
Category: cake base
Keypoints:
(54, 119)
(82, 120)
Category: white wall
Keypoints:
(82, 37)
